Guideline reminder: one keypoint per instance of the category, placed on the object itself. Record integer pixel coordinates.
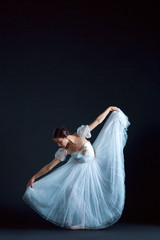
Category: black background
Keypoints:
(65, 63)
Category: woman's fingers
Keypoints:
(30, 183)
(32, 180)
(113, 108)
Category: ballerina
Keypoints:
(88, 192)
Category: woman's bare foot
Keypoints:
(75, 227)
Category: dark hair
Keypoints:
(61, 132)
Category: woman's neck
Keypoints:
(72, 140)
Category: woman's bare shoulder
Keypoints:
(76, 134)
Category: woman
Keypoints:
(88, 192)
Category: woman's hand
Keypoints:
(112, 108)
(30, 183)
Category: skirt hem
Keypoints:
(116, 218)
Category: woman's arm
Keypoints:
(43, 171)
(101, 117)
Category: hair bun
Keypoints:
(61, 132)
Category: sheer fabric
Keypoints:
(61, 154)
(84, 130)
(89, 190)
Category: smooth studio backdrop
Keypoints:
(65, 63)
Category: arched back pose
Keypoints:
(88, 192)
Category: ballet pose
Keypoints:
(88, 191)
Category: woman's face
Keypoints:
(62, 142)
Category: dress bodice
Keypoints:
(86, 154)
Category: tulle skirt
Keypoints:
(90, 195)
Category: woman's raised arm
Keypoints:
(101, 117)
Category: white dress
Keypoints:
(89, 190)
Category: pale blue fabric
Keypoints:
(84, 131)
(61, 154)
(89, 189)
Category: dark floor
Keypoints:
(124, 231)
